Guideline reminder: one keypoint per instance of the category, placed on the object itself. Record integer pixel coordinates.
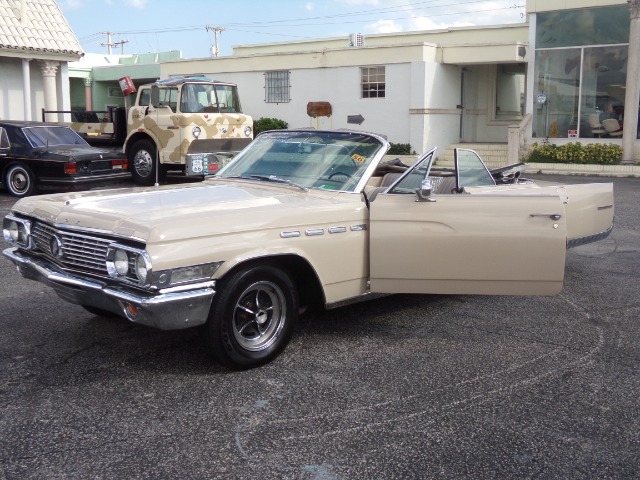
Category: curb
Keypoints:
(588, 170)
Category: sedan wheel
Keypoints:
(19, 180)
(252, 319)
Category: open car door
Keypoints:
(460, 243)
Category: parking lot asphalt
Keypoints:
(407, 386)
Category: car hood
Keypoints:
(169, 213)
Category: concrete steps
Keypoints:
(493, 154)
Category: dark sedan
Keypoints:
(47, 155)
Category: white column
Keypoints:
(26, 88)
(88, 82)
(49, 70)
(632, 95)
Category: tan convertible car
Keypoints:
(302, 217)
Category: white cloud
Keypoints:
(384, 26)
(137, 4)
(310, 7)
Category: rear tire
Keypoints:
(252, 317)
(143, 162)
(19, 180)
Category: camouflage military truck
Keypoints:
(190, 125)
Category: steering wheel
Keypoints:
(337, 174)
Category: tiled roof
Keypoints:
(42, 30)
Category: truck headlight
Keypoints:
(16, 231)
(196, 131)
(247, 131)
(128, 263)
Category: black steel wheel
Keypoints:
(19, 180)
(252, 317)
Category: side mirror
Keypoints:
(155, 96)
(424, 192)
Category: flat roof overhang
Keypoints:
(473, 54)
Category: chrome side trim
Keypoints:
(360, 298)
(167, 310)
(576, 242)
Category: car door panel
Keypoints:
(469, 244)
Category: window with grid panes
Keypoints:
(373, 82)
(276, 86)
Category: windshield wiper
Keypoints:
(275, 178)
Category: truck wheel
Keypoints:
(142, 162)
(19, 180)
(252, 318)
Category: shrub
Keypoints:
(593, 153)
(400, 149)
(264, 123)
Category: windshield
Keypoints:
(209, 98)
(43, 136)
(312, 159)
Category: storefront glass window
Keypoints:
(592, 26)
(581, 69)
(558, 87)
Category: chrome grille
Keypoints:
(79, 251)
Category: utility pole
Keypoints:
(109, 44)
(121, 43)
(216, 31)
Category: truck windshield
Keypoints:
(209, 98)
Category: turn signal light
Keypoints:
(70, 168)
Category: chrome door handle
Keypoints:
(552, 216)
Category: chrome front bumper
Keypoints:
(166, 310)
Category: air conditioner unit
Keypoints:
(356, 40)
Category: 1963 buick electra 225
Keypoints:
(302, 217)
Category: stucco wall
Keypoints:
(12, 91)
(339, 86)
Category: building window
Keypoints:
(580, 73)
(277, 87)
(373, 82)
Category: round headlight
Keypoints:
(121, 262)
(247, 131)
(196, 131)
(141, 269)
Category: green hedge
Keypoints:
(400, 149)
(264, 123)
(593, 153)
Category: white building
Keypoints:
(36, 44)
(414, 87)
(471, 85)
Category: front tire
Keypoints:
(19, 180)
(143, 162)
(252, 319)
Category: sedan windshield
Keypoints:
(43, 136)
(310, 159)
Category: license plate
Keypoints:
(196, 165)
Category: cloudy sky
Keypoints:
(142, 26)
